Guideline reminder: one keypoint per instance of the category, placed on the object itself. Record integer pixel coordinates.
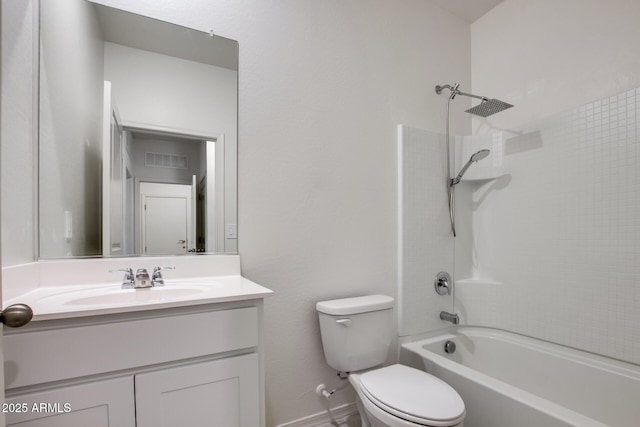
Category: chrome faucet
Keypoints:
(142, 279)
(156, 276)
(450, 317)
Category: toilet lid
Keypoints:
(413, 395)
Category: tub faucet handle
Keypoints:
(443, 283)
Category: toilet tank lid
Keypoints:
(347, 306)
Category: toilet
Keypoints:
(356, 337)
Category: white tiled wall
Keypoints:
(425, 244)
(559, 233)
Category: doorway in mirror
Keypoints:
(166, 220)
(168, 195)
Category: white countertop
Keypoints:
(60, 289)
(63, 302)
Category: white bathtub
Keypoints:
(508, 380)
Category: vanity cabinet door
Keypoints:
(107, 403)
(220, 393)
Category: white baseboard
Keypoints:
(342, 416)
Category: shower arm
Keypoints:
(482, 98)
(455, 91)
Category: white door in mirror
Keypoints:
(165, 218)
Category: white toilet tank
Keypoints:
(356, 332)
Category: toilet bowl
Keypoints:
(356, 338)
(401, 396)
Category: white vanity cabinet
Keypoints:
(97, 404)
(225, 391)
(189, 366)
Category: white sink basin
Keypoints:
(134, 295)
(80, 300)
(115, 295)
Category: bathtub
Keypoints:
(509, 380)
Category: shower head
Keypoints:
(474, 158)
(479, 155)
(488, 107)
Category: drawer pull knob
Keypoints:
(16, 315)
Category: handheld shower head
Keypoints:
(477, 156)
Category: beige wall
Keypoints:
(17, 127)
(70, 132)
(323, 86)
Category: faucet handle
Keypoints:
(128, 280)
(443, 283)
(156, 276)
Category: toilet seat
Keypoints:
(413, 395)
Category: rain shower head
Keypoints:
(477, 156)
(488, 107)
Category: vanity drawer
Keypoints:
(40, 356)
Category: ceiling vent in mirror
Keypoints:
(165, 160)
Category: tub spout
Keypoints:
(450, 317)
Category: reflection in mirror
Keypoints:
(138, 135)
(155, 179)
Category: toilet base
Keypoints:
(364, 420)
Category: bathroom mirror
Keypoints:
(137, 135)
